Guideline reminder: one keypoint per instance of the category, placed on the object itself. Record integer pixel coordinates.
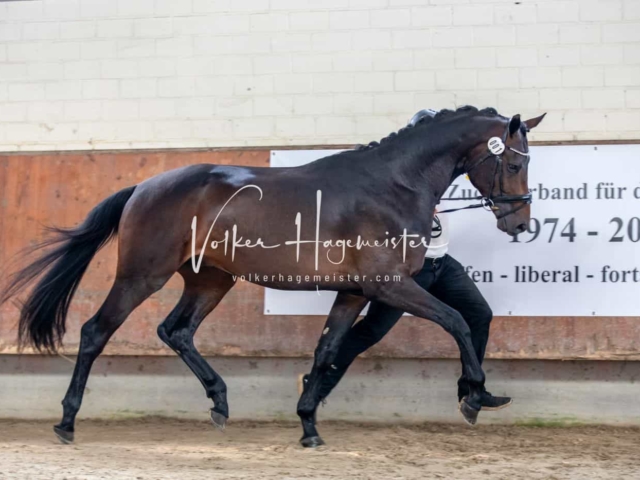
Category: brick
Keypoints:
(45, 71)
(120, 110)
(272, 64)
(631, 10)
(374, 126)
(269, 22)
(98, 49)
(232, 65)
(174, 47)
(435, 100)
(135, 47)
(253, 127)
(431, 16)
(623, 121)
(45, 111)
(517, 100)
(13, 112)
(306, 21)
(475, 57)
(306, 63)
(135, 8)
(632, 98)
(518, 57)
(40, 31)
(582, 77)
(558, 12)
(558, 56)
(603, 98)
(456, 80)
(580, 34)
(96, 89)
(472, 15)
(621, 33)
(78, 30)
(295, 127)
(390, 103)
(138, 88)
(560, 99)
(214, 86)
(331, 42)
(631, 54)
(10, 32)
(601, 54)
(541, 77)
(115, 28)
(396, 60)
(374, 82)
(622, 76)
(479, 98)
(494, 36)
(13, 71)
(83, 110)
(498, 78)
(348, 20)
(156, 67)
(600, 10)
(371, 40)
(353, 104)
(390, 18)
(273, 106)
(452, 37)
(415, 81)
(333, 82)
(98, 8)
(157, 108)
(584, 121)
(515, 14)
(153, 27)
(312, 105)
(434, 58)
(118, 68)
(194, 66)
(352, 62)
(542, 34)
(176, 87)
(29, 11)
(191, 108)
(173, 8)
(62, 10)
(26, 91)
(292, 83)
(253, 85)
(291, 42)
(335, 126)
(27, 52)
(67, 90)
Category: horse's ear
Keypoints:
(534, 122)
(514, 124)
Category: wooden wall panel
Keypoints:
(60, 189)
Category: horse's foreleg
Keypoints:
(410, 297)
(344, 312)
(202, 293)
(124, 297)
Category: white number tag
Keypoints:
(496, 146)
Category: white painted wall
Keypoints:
(80, 74)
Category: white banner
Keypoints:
(580, 257)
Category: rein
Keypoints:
(496, 147)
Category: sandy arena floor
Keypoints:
(171, 449)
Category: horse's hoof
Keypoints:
(311, 442)
(469, 413)
(64, 436)
(219, 421)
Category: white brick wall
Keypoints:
(85, 74)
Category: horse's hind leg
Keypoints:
(125, 295)
(202, 292)
(344, 312)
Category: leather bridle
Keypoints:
(496, 146)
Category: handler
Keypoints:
(444, 278)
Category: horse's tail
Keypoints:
(43, 315)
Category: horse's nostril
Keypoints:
(521, 228)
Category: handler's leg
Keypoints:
(378, 321)
(454, 287)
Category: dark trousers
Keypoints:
(446, 280)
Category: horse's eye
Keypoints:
(513, 168)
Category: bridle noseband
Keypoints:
(496, 146)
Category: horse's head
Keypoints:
(498, 166)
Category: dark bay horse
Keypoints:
(286, 228)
